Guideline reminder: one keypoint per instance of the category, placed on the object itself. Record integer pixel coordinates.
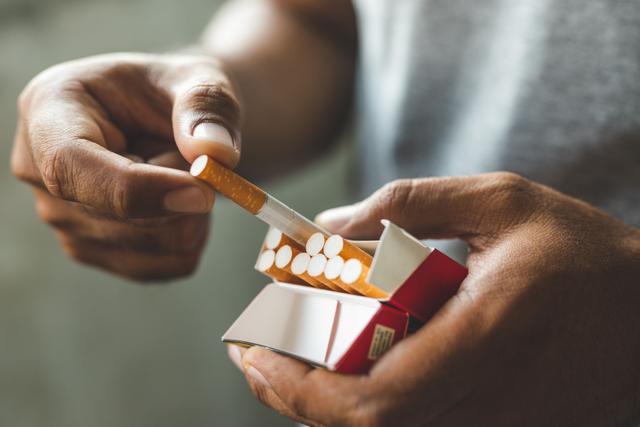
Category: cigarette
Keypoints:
(315, 243)
(333, 268)
(284, 261)
(332, 271)
(354, 274)
(316, 268)
(300, 264)
(337, 246)
(275, 239)
(254, 199)
(266, 265)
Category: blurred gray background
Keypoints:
(79, 347)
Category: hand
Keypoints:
(104, 140)
(544, 331)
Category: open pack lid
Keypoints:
(419, 279)
(313, 325)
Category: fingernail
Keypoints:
(336, 218)
(258, 377)
(235, 355)
(213, 132)
(186, 200)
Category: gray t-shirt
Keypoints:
(549, 89)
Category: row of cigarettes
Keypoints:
(326, 262)
(331, 263)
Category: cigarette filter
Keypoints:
(284, 260)
(354, 274)
(337, 245)
(276, 239)
(266, 265)
(254, 199)
(333, 268)
(315, 243)
(316, 268)
(332, 271)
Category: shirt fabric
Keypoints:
(549, 89)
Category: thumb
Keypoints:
(206, 115)
(464, 207)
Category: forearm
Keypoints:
(293, 64)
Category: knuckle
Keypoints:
(30, 91)
(53, 169)
(180, 236)
(298, 404)
(189, 265)
(79, 255)
(157, 272)
(140, 273)
(212, 94)
(50, 84)
(74, 250)
(509, 180)
(123, 200)
(297, 401)
(19, 168)
(214, 101)
(365, 408)
(23, 101)
(511, 191)
(164, 270)
(51, 216)
(261, 393)
(367, 415)
(190, 235)
(393, 197)
(143, 276)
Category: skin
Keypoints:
(544, 330)
(103, 140)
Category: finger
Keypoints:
(235, 353)
(150, 147)
(438, 207)
(264, 394)
(311, 395)
(70, 152)
(157, 152)
(268, 397)
(170, 159)
(442, 362)
(134, 265)
(206, 113)
(171, 235)
(22, 164)
(90, 175)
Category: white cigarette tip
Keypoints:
(273, 238)
(351, 271)
(199, 165)
(283, 256)
(317, 265)
(333, 268)
(300, 263)
(315, 243)
(266, 259)
(333, 246)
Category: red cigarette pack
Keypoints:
(348, 333)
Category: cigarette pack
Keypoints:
(348, 333)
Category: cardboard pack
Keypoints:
(348, 333)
